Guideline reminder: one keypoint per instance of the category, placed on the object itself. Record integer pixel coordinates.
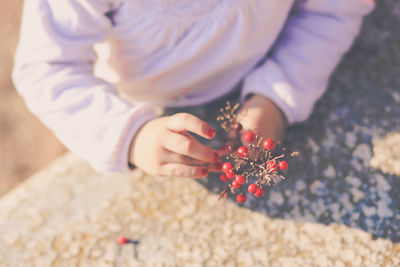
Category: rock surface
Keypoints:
(387, 154)
(338, 178)
(332, 181)
(69, 215)
(333, 209)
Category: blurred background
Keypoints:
(25, 144)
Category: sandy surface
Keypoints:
(69, 215)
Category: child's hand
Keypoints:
(164, 147)
(260, 115)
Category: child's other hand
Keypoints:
(164, 147)
(260, 115)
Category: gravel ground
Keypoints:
(69, 215)
(340, 177)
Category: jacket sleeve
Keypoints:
(53, 72)
(297, 71)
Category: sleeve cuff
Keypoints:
(269, 80)
(118, 160)
(143, 115)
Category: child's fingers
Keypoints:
(171, 157)
(188, 146)
(215, 167)
(182, 170)
(187, 122)
(224, 150)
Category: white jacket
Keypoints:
(172, 53)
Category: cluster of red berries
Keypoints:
(257, 161)
(258, 164)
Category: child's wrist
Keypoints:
(268, 105)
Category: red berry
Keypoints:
(237, 127)
(240, 179)
(268, 144)
(230, 174)
(283, 165)
(259, 193)
(249, 136)
(235, 184)
(227, 166)
(241, 198)
(252, 188)
(272, 166)
(223, 177)
(122, 240)
(242, 151)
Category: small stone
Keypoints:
(316, 187)
(382, 183)
(357, 194)
(368, 211)
(354, 181)
(383, 209)
(363, 152)
(276, 198)
(350, 139)
(96, 253)
(313, 145)
(330, 172)
(347, 255)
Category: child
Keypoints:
(176, 53)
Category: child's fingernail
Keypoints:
(204, 171)
(211, 133)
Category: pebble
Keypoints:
(276, 198)
(350, 139)
(330, 172)
(363, 152)
(316, 187)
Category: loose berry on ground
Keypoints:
(249, 136)
(223, 177)
(272, 166)
(230, 174)
(235, 184)
(259, 193)
(241, 198)
(227, 166)
(122, 240)
(252, 188)
(240, 179)
(268, 144)
(283, 165)
(242, 151)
